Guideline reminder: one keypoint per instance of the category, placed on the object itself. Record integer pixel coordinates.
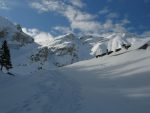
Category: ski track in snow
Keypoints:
(114, 85)
(53, 94)
(108, 84)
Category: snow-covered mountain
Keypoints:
(13, 33)
(118, 83)
(28, 56)
(68, 49)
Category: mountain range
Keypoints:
(90, 73)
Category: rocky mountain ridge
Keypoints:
(63, 50)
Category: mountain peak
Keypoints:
(13, 33)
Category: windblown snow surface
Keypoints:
(117, 83)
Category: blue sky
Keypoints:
(80, 16)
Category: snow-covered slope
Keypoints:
(112, 42)
(28, 56)
(21, 45)
(13, 33)
(67, 49)
(5, 24)
(64, 50)
(115, 83)
(112, 84)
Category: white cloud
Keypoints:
(112, 15)
(4, 5)
(62, 29)
(32, 32)
(104, 11)
(86, 26)
(39, 6)
(9, 4)
(125, 21)
(73, 14)
(115, 27)
(77, 18)
(119, 28)
(77, 3)
(40, 37)
(48, 5)
(108, 14)
(43, 38)
(81, 20)
(108, 25)
(146, 34)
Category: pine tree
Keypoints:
(1, 53)
(5, 57)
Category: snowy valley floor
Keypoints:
(111, 84)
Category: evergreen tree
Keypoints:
(5, 57)
(1, 53)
